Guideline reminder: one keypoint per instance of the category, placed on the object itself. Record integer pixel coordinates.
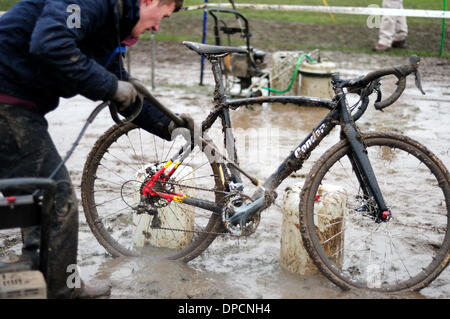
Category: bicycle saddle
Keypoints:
(208, 49)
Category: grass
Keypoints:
(293, 46)
(324, 17)
(6, 4)
(340, 19)
(305, 17)
(410, 4)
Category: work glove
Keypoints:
(138, 85)
(125, 95)
(189, 124)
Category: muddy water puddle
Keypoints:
(249, 268)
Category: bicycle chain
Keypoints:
(196, 231)
(196, 188)
(201, 231)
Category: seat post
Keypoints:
(219, 91)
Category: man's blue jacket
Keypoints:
(60, 48)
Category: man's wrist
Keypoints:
(112, 90)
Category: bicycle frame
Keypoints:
(338, 115)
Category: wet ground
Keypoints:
(283, 34)
(247, 268)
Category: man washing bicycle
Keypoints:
(61, 48)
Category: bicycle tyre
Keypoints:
(108, 148)
(344, 263)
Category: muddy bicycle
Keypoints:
(144, 195)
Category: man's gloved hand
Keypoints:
(189, 121)
(189, 124)
(138, 85)
(125, 95)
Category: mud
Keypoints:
(246, 268)
(275, 35)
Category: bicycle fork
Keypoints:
(360, 162)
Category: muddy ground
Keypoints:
(246, 268)
(282, 35)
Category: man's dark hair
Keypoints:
(178, 4)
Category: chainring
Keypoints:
(236, 201)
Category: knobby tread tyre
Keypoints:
(306, 208)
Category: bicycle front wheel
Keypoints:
(349, 245)
(117, 169)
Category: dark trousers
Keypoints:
(27, 150)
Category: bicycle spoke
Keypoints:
(197, 168)
(156, 151)
(124, 151)
(107, 181)
(185, 165)
(170, 149)
(399, 256)
(134, 150)
(142, 149)
(113, 172)
(100, 219)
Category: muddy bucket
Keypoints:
(330, 207)
(315, 78)
(283, 68)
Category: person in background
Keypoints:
(393, 29)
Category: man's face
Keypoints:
(151, 14)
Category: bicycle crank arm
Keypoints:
(243, 213)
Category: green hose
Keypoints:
(299, 61)
(443, 30)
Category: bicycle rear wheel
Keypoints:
(123, 159)
(353, 250)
